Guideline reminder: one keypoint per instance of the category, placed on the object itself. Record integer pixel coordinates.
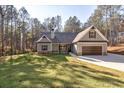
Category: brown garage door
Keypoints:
(92, 50)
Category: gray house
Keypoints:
(88, 42)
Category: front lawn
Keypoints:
(56, 71)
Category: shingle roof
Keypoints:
(61, 37)
(70, 37)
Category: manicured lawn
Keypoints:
(56, 71)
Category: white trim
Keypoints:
(42, 38)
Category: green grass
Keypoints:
(55, 71)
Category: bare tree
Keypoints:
(2, 13)
(24, 16)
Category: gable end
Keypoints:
(44, 38)
(89, 35)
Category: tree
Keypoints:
(24, 17)
(53, 23)
(107, 19)
(46, 23)
(73, 24)
(7, 20)
(15, 19)
(16, 31)
(58, 23)
(11, 31)
(2, 14)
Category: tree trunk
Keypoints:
(6, 37)
(15, 40)
(11, 34)
(32, 39)
(2, 34)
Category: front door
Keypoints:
(64, 48)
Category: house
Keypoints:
(88, 42)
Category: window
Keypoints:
(44, 47)
(92, 34)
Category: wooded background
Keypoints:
(18, 31)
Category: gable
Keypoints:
(44, 38)
(84, 35)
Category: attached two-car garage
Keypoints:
(90, 42)
(90, 48)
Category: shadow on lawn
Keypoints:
(48, 71)
(104, 77)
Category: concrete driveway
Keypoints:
(111, 60)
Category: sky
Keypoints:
(41, 12)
